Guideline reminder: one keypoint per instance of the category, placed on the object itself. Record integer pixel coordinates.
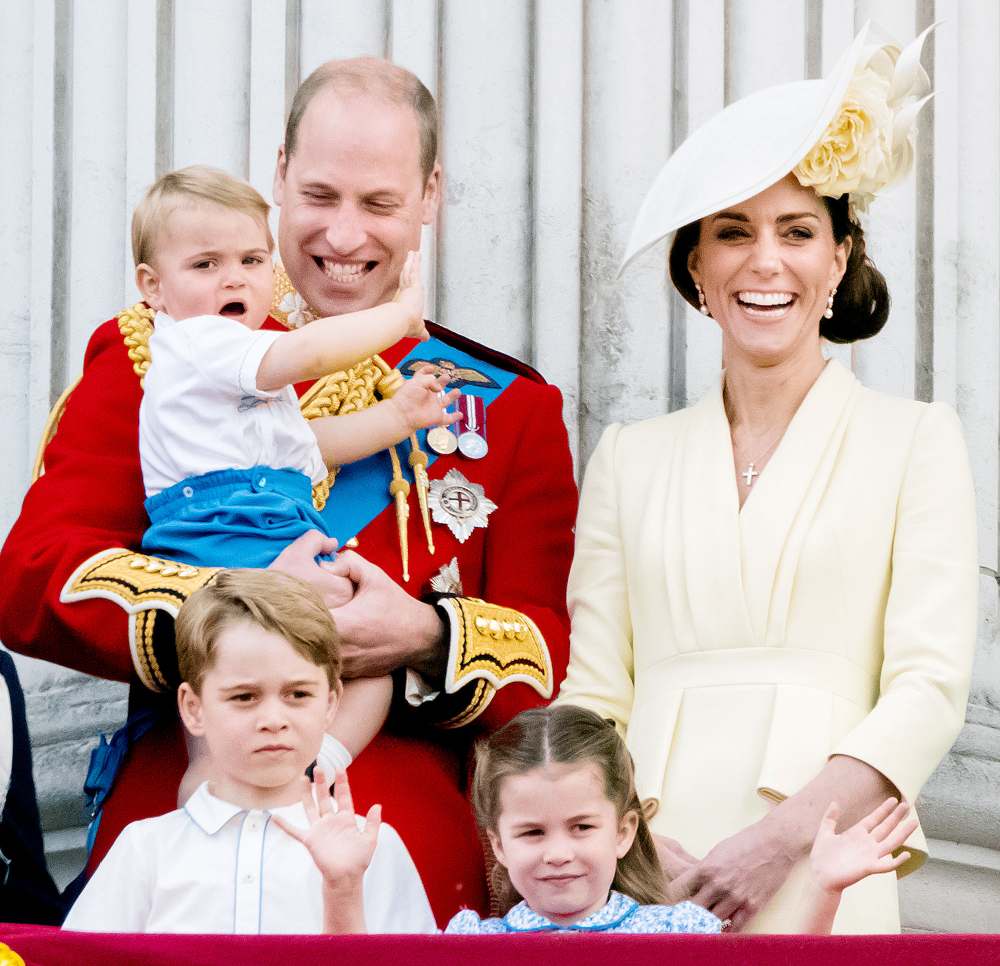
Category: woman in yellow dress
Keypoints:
(774, 590)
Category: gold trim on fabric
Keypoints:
(142, 586)
(494, 644)
(51, 425)
(136, 326)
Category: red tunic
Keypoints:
(90, 499)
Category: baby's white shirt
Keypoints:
(202, 411)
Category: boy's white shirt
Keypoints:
(201, 409)
(213, 867)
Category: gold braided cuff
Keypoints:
(144, 587)
(493, 646)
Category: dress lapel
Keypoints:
(704, 532)
(776, 515)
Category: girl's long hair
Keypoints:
(566, 735)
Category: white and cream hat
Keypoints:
(849, 133)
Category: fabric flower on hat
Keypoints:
(868, 145)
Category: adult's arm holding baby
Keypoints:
(331, 344)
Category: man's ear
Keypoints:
(280, 169)
(496, 846)
(627, 828)
(189, 706)
(432, 195)
(147, 281)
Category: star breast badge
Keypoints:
(461, 505)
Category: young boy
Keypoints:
(250, 852)
(228, 461)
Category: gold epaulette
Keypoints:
(492, 646)
(142, 586)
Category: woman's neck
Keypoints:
(760, 399)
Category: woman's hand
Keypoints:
(740, 875)
(675, 860)
(840, 860)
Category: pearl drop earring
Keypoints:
(828, 314)
(702, 307)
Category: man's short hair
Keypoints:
(377, 78)
(197, 184)
(270, 599)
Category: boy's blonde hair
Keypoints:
(193, 185)
(270, 599)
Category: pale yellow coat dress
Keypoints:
(738, 649)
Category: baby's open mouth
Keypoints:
(233, 309)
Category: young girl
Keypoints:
(555, 794)
(228, 461)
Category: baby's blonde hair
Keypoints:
(194, 185)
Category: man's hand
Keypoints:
(382, 627)
(299, 560)
(740, 875)
(838, 861)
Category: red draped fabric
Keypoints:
(52, 947)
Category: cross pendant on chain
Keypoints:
(748, 474)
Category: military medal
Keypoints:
(442, 440)
(472, 427)
(461, 505)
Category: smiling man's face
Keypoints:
(353, 199)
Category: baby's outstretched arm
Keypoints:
(339, 342)
(362, 712)
(419, 403)
(839, 860)
(340, 845)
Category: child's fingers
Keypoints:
(342, 793)
(889, 863)
(828, 823)
(890, 821)
(451, 396)
(308, 800)
(899, 835)
(373, 821)
(321, 789)
(877, 815)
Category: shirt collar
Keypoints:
(210, 813)
(522, 918)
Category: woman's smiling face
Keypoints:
(767, 267)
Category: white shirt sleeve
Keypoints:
(395, 900)
(118, 896)
(226, 352)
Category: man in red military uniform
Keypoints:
(457, 585)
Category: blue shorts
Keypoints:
(231, 518)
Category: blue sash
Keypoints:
(361, 491)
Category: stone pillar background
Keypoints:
(557, 114)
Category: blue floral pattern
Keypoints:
(618, 914)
